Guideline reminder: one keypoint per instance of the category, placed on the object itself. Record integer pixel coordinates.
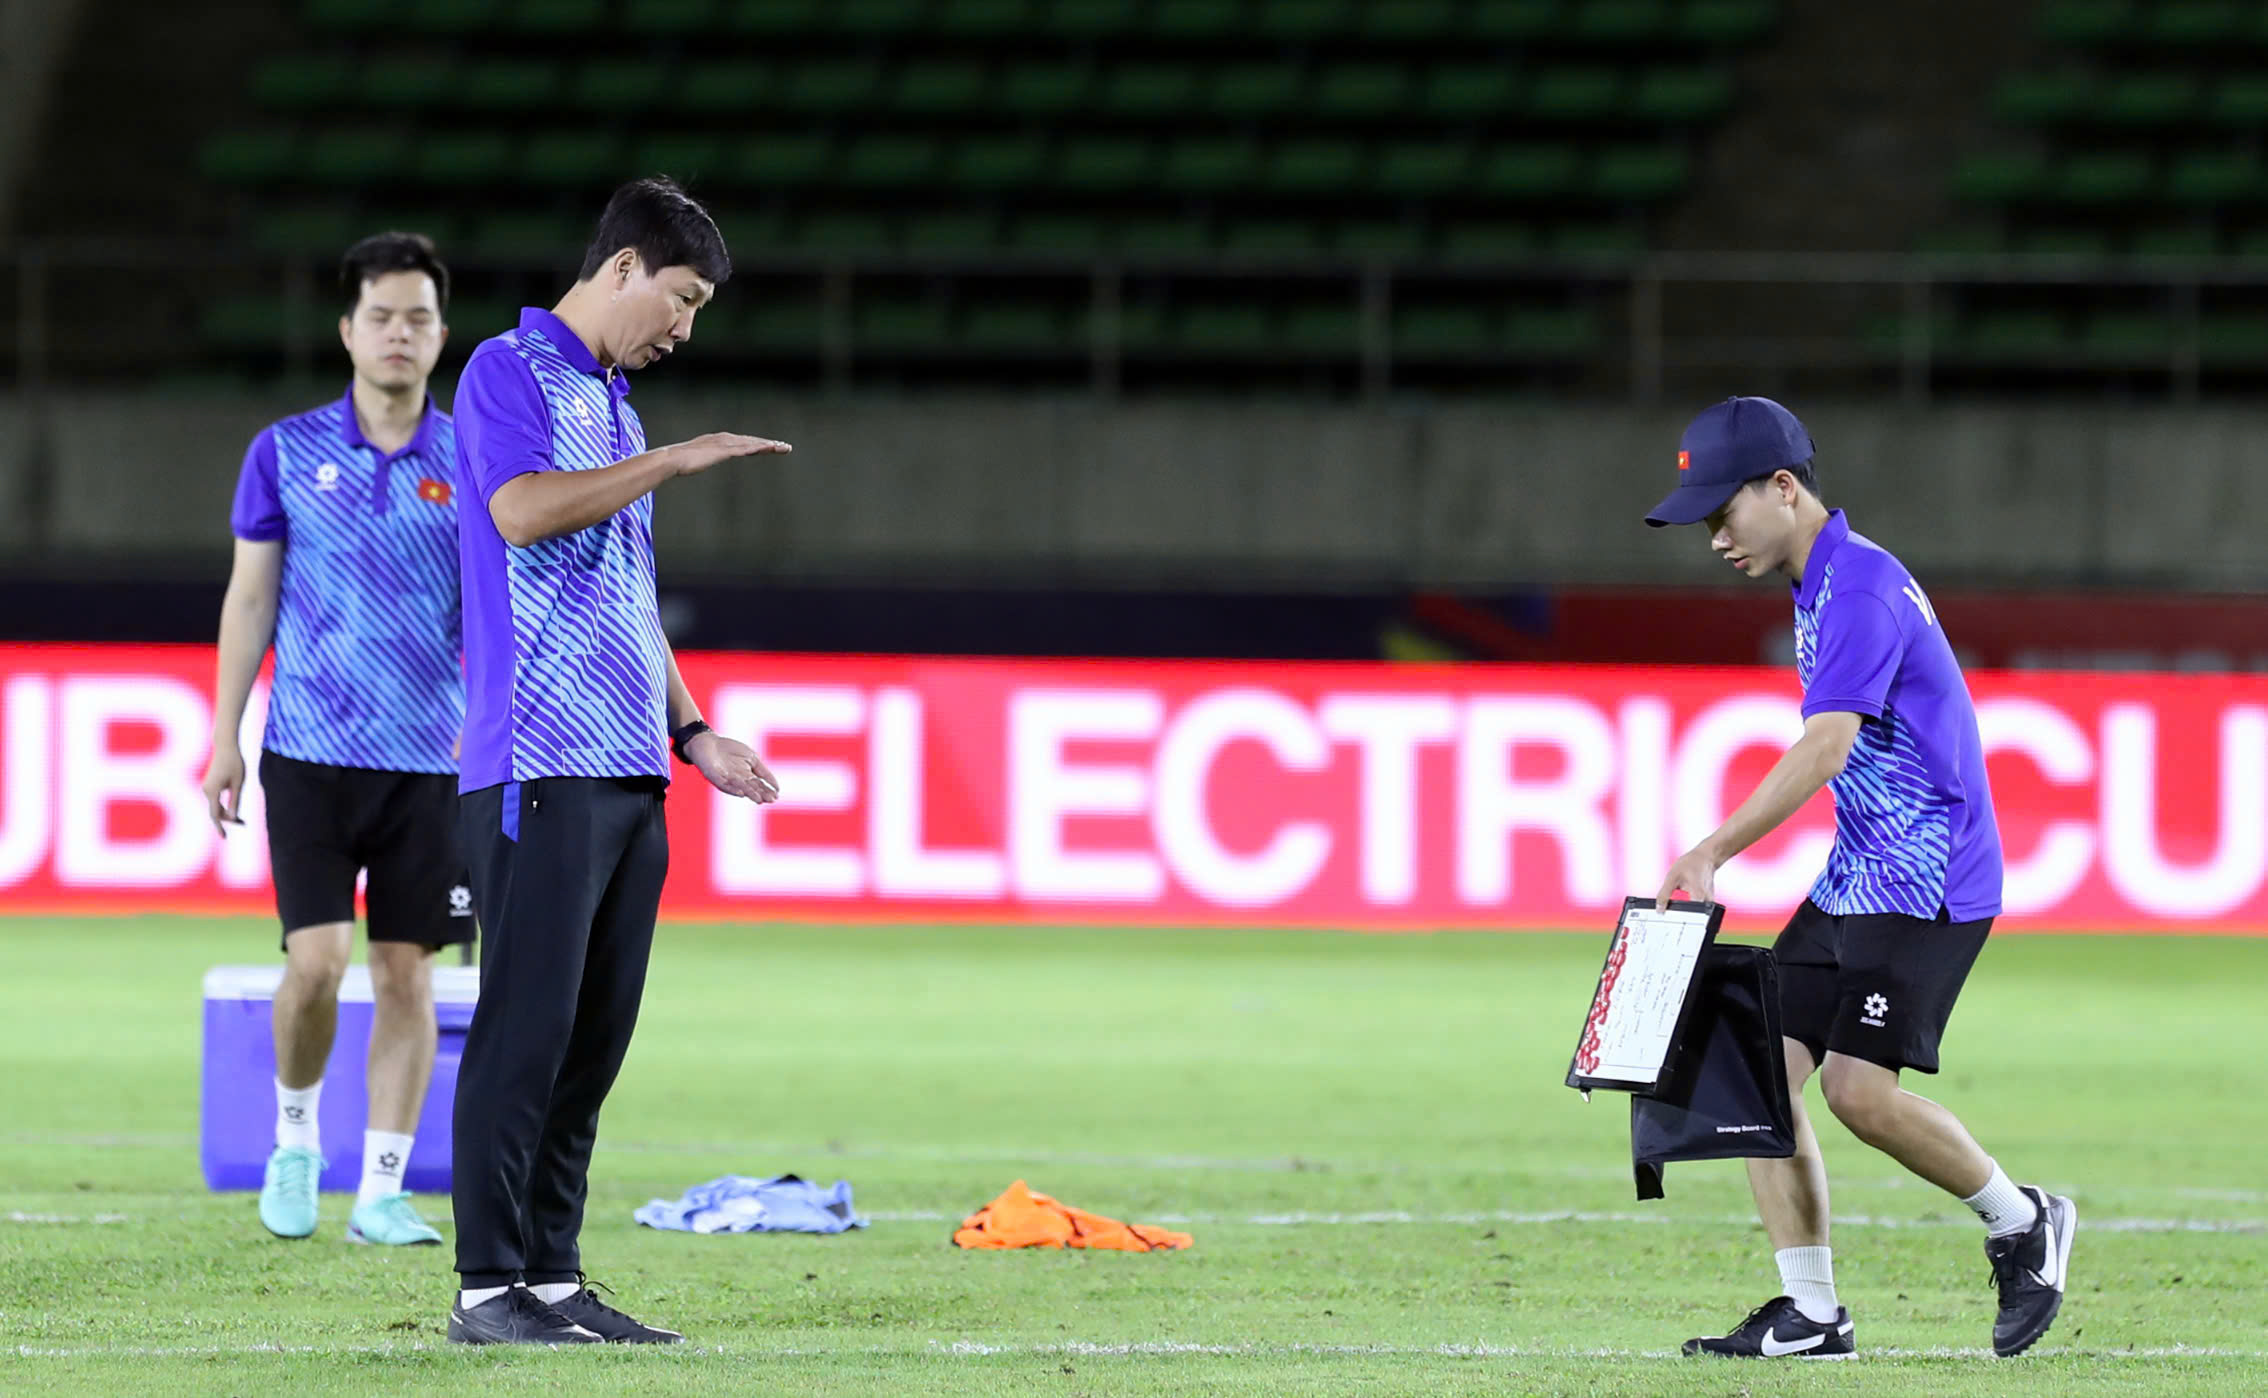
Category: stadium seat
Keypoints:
(512, 237)
(1408, 21)
(2108, 178)
(780, 323)
(460, 159)
(1630, 22)
(1486, 242)
(571, 160)
(2190, 25)
(2149, 99)
(618, 86)
(1562, 333)
(1015, 326)
(2242, 102)
(350, 15)
(843, 232)
(1725, 23)
(257, 156)
(725, 88)
(2209, 179)
(1276, 237)
(952, 233)
(878, 19)
(695, 158)
(2045, 99)
(1210, 166)
(835, 86)
(1044, 89)
(2000, 177)
(1422, 169)
(1638, 175)
(997, 162)
(990, 19)
(2128, 337)
(1304, 21)
(1528, 171)
(1088, 20)
(319, 229)
(1232, 329)
(1196, 19)
(1470, 91)
(2089, 22)
(1361, 91)
(1149, 89)
(1323, 331)
(557, 17)
(671, 18)
(885, 162)
(1312, 167)
(1682, 96)
(1256, 89)
(1442, 330)
(1576, 95)
(449, 16)
(781, 162)
(769, 19)
(1103, 164)
(508, 86)
(1077, 235)
(939, 88)
(353, 158)
(1177, 237)
(1513, 19)
(1395, 239)
(2177, 244)
(292, 84)
(394, 84)
(902, 327)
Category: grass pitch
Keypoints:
(1391, 1191)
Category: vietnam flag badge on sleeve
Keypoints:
(433, 490)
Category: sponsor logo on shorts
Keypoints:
(1744, 1130)
(460, 901)
(1877, 1009)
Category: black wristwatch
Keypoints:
(679, 737)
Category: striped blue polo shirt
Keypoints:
(1914, 826)
(565, 665)
(368, 668)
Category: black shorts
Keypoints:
(1877, 986)
(327, 824)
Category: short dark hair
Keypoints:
(1804, 476)
(666, 226)
(381, 253)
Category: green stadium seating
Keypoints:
(1442, 330)
(1088, 20)
(512, 86)
(1179, 237)
(771, 19)
(2189, 25)
(2212, 178)
(618, 85)
(1470, 91)
(902, 327)
(1537, 333)
(890, 161)
(939, 88)
(833, 86)
(2241, 102)
(1304, 21)
(1513, 19)
(1408, 21)
(726, 88)
(1489, 242)
(1360, 91)
(1576, 94)
(2150, 99)
(353, 157)
(319, 229)
(1103, 164)
(2233, 339)
(1725, 23)
(1312, 167)
(2066, 242)
(1015, 326)
(695, 158)
(1256, 89)
(462, 158)
(671, 18)
(997, 162)
(2000, 177)
(2045, 98)
(508, 236)
(991, 19)
(350, 15)
(2107, 178)
(1422, 169)
(843, 233)
(571, 160)
(448, 16)
(291, 84)
(1528, 171)
(1197, 19)
(256, 156)
(781, 323)
(1394, 239)
(781, 162)
(1045, 89)
(2019, 335)
(2128, 337)
(949, 233)
(1639, 174)
(1210, 166)
(2176, 244)
(1682, 96)
(1327, 331)
(395, 84)
(1150, 89)
(2089, 22)
(1078, 235)
(1231, 329)
(878, 18)
(1602, 240)
(1620, 21)
(1273, 237)
(557, 17)
(246, 322)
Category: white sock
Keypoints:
(385, 1157)
(552, 1293)
(295, 1115)
(479, 1295)
(2004, 1208)
(1807, 1275)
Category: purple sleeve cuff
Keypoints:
(258, 514)
(503, 428)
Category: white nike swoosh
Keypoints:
(1774, 1346)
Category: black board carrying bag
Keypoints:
(1691, 1029)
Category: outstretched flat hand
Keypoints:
(707, 450)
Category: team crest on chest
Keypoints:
(327, 476)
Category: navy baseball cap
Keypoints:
(1728, 445)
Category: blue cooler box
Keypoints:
(239, 1114)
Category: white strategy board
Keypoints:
(1645, 993)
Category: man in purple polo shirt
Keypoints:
(1872, 962)
(573, 707)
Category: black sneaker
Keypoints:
(584, 1308)
(517, 1317)
(1778, 1330)
(2030, 1268)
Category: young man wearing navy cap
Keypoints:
(1871, 964)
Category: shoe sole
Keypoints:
(290, 1237)
(2062, 1281)
(356, 1235)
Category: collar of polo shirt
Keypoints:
(419, 441)
(571, 347)
(1832, 533)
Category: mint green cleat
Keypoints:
(391, 1221)
(287, 1192)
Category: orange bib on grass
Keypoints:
(1022, 1219)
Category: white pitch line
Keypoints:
(1162, 1349)
(1517, 1218)
(18, 1216)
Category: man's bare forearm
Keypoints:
(247, 626)
(682, 709)
(1797, 777)
(540, 505)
